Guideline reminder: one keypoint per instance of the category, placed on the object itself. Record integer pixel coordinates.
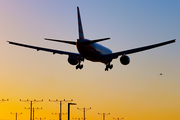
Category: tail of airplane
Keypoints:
(81, 35)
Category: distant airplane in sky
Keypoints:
(91, 50)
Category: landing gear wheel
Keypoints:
(111, 66)
(81, 66)
(106, 69)
(77, 67)
(108, 66)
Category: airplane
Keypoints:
(91, 50)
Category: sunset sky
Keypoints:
(135, 91)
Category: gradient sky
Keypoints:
(136, 91)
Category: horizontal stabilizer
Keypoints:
(95, 41)
(63, 41)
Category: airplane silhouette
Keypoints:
(91, 50)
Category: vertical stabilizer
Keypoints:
(81, 35)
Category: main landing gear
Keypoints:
(108, 66)
(79, 66)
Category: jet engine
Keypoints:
(125, 60)
(73, 61)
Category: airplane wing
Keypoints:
(74, 55)
(116, 54)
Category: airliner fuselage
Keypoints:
(92, 52)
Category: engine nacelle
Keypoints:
(72, 61)
(125, 60)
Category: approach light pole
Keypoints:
(78, 118)
(60, 107)
(31, 102)
(118, 118)
(34, 110)
(16, 114)
(84, 110)
(59, 113)
(69, 109)
(41, 118)
(104, 114)
(4, 100)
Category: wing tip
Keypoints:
(9, 42)
(173, 40)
